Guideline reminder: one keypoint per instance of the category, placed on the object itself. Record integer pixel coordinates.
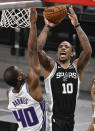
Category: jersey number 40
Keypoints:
(27, 116)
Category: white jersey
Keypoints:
(28, 112)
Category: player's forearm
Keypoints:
(84, 40)
(41, 41)
(32, 41)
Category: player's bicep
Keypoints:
(46, 61)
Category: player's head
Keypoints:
(65, 51)
(14, 76)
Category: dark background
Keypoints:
(86, 16)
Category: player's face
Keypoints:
(64, 51)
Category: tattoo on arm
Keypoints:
(46, 61)
(42, 38)
(86, 53)
(82, 36)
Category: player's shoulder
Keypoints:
(24, 88)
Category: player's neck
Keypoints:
(65, 64)
(17, 89)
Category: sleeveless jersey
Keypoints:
(28, 112)
(61, 87)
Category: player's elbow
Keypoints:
(88, 56)
(88, 52)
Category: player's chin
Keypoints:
(63, 59)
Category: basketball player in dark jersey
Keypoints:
(62, 78)
(25, 96)
(92, 126)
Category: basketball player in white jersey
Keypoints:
(92, 126)
(25, 96)
(62, 78)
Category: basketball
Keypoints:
(55, 14)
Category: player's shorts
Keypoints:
(65, 124)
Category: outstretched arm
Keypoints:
(43, 35)
(45, 61)
(86, 53)
(35, 70)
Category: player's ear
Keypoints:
(73, 54)
(19, 78)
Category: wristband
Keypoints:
(77, 25)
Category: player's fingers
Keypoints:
(69, 15)
(33, 10)
(71, 10)
(43, 14)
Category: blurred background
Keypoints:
(13, 51)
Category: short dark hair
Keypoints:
(73, 50)
(10, 76)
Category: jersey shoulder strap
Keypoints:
(52, 72)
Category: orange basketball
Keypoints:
(55, 14)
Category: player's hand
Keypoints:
(33, 16)
(93, 89)
(48, 23)
(72, 16)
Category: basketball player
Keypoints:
(62, 78)
(25, 96)
(92, 126)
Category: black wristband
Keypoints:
(77, 25)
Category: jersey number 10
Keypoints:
(67, 88)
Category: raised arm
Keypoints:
(45, 61)
(35, 70)
(85, 44)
